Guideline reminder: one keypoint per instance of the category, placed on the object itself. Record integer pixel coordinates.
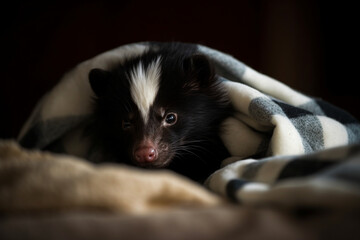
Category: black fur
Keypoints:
(188, 87)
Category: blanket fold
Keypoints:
(326, 179)
(274, 127)
(38, 181)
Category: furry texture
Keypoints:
(162, 109)
(40, 181)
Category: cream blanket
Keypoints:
(40, 181)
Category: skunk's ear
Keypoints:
(200, 71)
(99, 80)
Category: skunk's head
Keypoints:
(152, 109)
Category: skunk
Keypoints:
(162, 109)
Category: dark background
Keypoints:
(309, 45)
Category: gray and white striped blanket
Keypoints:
(287, 148)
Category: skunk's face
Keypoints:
(150, 111)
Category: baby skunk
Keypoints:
(162, 109)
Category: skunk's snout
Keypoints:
(146, 153)
(149, 154)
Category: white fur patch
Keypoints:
(145, 85)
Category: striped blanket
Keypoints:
(287, 148)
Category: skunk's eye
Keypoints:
(126, 124)
(170, 119)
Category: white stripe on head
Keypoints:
(145, 85)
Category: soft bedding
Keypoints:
(289, 151)
(35, 181)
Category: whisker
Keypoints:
(191, 151)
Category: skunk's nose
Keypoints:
(145, 154)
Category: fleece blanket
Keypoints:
(276, 138)
(38, 182)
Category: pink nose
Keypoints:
(145, 154)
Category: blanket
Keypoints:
(278, 138)
(40, 182)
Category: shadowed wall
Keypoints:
(305, 44)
